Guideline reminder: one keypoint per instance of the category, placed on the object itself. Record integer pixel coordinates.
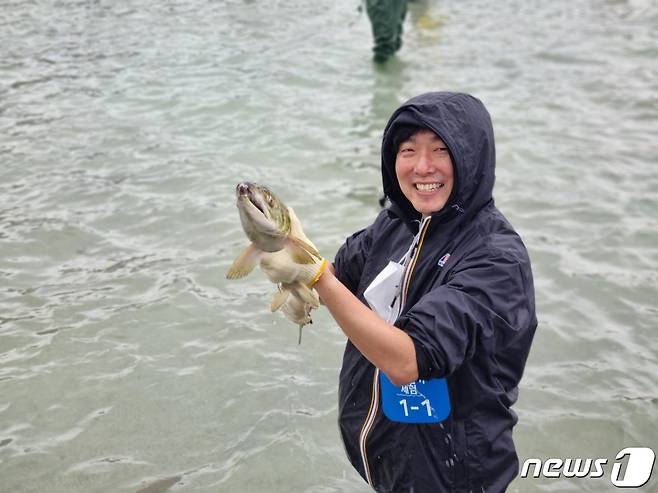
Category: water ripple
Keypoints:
(123, 131)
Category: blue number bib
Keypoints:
(423, 401)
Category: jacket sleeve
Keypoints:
(487, 305)
(351, 258)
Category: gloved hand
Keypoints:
(296, 227)
(280, 268)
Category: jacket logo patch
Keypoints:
(444, 259)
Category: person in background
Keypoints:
(436, 299)
(386, 18)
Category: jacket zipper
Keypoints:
(374, 398)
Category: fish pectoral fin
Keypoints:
(245, 262)
(306, 294)
(300, 251)
(279, 299)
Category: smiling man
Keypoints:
(436, 299)
(423, 168)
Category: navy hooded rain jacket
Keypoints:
(472, 319)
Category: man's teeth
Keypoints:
(428, 187)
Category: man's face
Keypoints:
(424, 170)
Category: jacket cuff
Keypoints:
(426, 368)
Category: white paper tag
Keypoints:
(383, 294)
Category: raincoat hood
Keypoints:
(464, 125)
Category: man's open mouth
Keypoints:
(428, 187)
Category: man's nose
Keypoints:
(425, 165)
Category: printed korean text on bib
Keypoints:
(423, 401)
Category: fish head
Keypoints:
(265, 219)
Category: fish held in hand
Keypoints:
(266, 222)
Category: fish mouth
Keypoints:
(257, 206)
(244, 191)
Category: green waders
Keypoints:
(386, 17)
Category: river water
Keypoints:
(128, 363)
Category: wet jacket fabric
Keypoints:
(471, 318)
(387, 19)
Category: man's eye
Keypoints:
(440, 149)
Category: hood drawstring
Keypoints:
(458, 208)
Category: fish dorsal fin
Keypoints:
(300, 251)
(279, 299)
(245, 262)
